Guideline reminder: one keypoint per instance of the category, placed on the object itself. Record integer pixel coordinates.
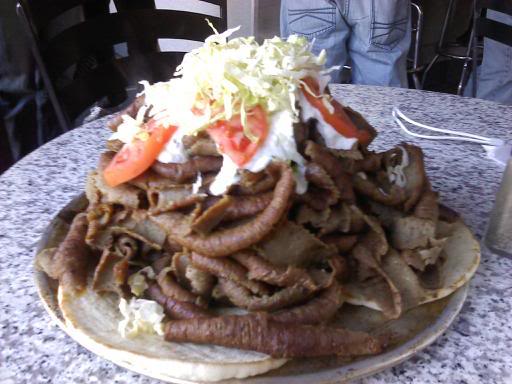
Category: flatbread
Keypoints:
(461, 257)
(92, 320)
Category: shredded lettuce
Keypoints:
(228, 77)
(225, 77)
(140, 316)
(137, 282)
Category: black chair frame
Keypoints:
(137, 23)
(494, 30)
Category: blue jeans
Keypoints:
(494, 79)
(372, 36)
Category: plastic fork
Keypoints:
(496, 149)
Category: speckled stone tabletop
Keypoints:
(476, 349)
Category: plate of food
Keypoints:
(238, 226)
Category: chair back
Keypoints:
(78, 60)
(492, 29)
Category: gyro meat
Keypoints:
(241, 207)
(71, 261)
(259, 333)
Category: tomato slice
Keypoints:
(134, 158)
(339, 120)
(229, 135)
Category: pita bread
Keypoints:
(92, 321)
(460, 255)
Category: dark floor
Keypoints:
(444, 77)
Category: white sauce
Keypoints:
(227, 176)
(197, 184)
(362, 175)
(279, 145)
(396, 174)
(331, 137)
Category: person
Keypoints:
(371, 36)
(494, 76)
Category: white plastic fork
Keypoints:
(461, 136)
(496, 149)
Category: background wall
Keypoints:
(266, 18)
(241, 13)
(258, 18)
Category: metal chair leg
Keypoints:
(463, 80)
(464, 75)
(441, 42)
(427, 70)
(476, 14)
(417, 45)
(417, 81)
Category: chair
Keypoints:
(452, 51)
(491, 29)
(78, 63)
(414, 67)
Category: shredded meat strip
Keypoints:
(394, 196)
(344, 243)
(212, 216)
(371, 162)
(260, 269)
(227, 269)
(174, 308)
(227, 241)
(247, 206)
(71, 261)
(110, 273)
(257, 332)
(448, 214)
(242, 297)
(320, 309)
(180, 172)
(318, 176)
(427, 207)
(320, 155)
(415, 176)
(313, 198)
(172, 289)
(99, 192)
(200, 145)
(360, 122)
(162, 262)
(170, 199)
(254, 183)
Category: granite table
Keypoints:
(476, 349)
